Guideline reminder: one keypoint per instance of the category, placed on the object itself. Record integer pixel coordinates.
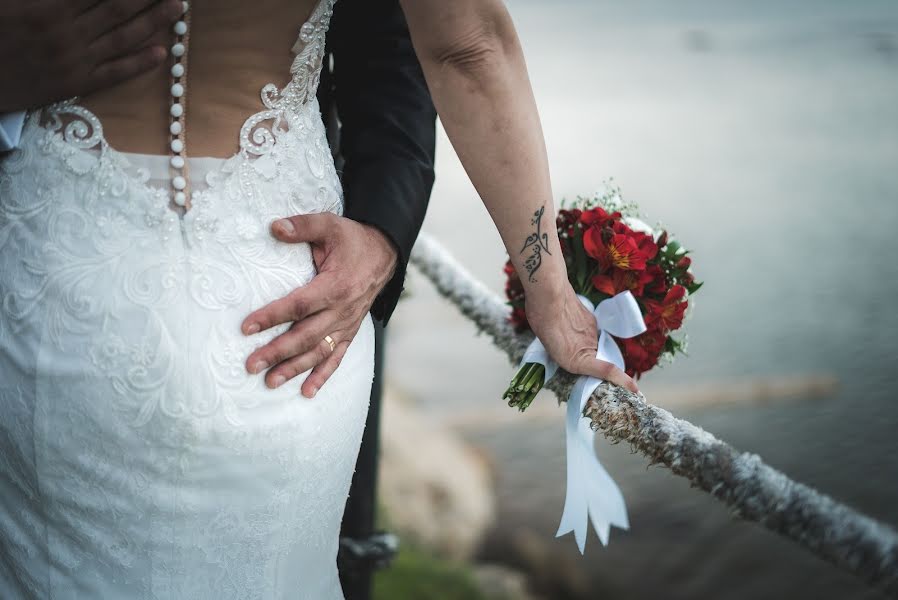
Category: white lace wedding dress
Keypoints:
(138, 459)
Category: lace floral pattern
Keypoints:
(138, 459)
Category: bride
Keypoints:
(138, 457)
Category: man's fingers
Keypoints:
(295, 306)
(124, 49)
(302, 337)
(297, 365)
(609, 372)
(145, 29)
(323, 371)
(122, 69)
(109, 16)
(304, 228)
(80, 6)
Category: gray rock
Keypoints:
(438, 492)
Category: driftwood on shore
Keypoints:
(749, 487)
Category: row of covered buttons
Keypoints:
(176, 128)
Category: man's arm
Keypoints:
(388, 132)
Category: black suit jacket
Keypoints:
(381, 123)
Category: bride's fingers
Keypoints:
(323, 371)
(609, 372)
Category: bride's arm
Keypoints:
(475, 70)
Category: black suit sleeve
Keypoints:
(388, 134)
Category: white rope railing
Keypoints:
(752, 489)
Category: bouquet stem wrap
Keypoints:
(592, 495)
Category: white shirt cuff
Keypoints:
(11, 130)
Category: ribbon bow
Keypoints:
(592, 494)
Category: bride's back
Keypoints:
(235, 48)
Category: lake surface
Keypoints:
(765, 136)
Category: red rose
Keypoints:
(684, 262)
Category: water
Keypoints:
(766, 137)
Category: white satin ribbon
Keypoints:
(591, 493)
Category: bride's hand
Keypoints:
(568, 331)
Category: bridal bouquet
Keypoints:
(608, 251)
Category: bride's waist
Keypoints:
(64, 177)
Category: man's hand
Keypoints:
(55, 49)
(354, 261)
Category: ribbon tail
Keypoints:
(592, 495)
(606, 502)
(575, 514)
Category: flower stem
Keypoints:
(525, 377)
(524, 386)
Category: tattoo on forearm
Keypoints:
(538, 243)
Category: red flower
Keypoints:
(621, 280)
(684, 262)
(598, 217)
(567, 218)
(519, 319)
(667, 315)
(617, 246)
(642, 352)
(620, 252)
(659, 280)
(644, 241)
(509, 269)
(514, 291)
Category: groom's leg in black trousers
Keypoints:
(358, 519)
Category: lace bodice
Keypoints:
(138, 459)
(305, 72)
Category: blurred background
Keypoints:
(765, 136)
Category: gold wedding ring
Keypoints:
(330, 342)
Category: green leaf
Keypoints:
(670, 345)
